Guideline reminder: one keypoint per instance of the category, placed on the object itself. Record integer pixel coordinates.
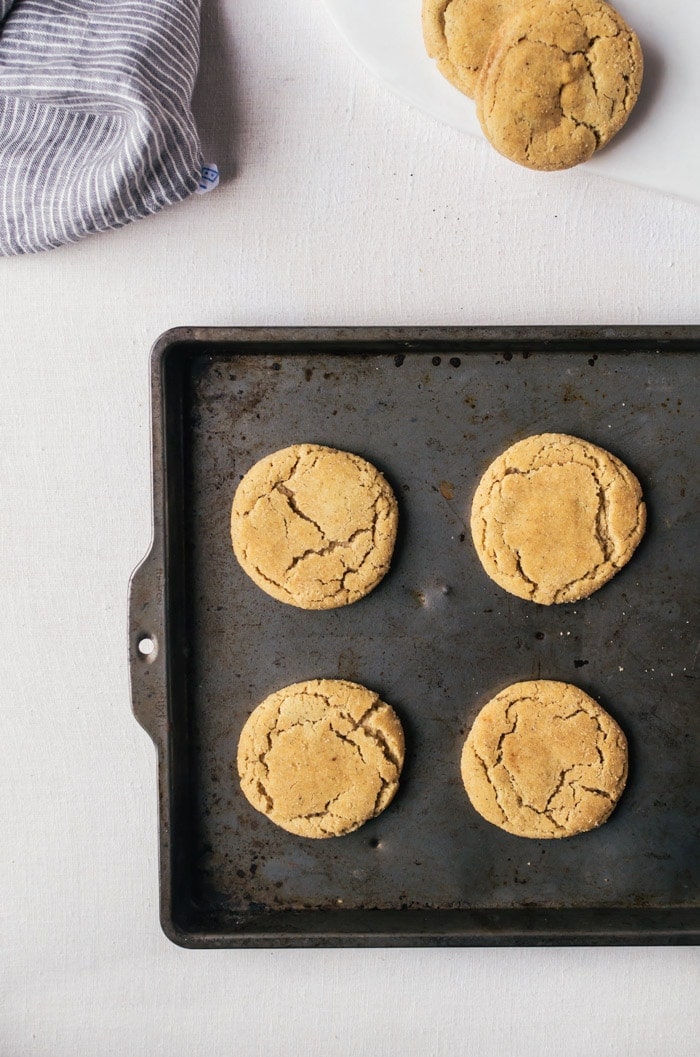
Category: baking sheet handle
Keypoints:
(147, 646)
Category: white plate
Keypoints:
(660, 145)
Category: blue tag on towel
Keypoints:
(209, 178)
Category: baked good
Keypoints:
(457, 34)
(321, 757)
(314, 527)
(555, 517)
(543, 759)
(559, 80)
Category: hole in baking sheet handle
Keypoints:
(147, 647)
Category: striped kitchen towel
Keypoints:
(96, 127)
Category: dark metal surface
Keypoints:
(431, 408)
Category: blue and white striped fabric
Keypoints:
(96, 127)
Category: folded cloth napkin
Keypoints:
(96, 127)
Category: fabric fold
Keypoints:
(96, 126)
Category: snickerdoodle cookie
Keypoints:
(559, 80)
(555, 517)
(314, 527)
(457, 34)
(322, 757)
(543, 759)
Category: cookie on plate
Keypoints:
(457, 34)
(320, 758)
(559, 80)
(314, 527)
(555, 517)
(543, 759)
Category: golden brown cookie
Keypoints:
(555, 517)
(314, 527)
(543, 759)
(322, 757)
(457, 34)
(559, 80)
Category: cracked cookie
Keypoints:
(457, 34)
(314, 527)
(559, 80)
(555, 517)
(322, 757)
(543, 759)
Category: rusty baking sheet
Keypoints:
(431, 408)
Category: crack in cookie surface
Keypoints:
(537, 769)
(321, 758)
(314, 527)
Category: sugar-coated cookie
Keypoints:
(555, 517)
(320, 758)
(559, 80)
(543, 759)
(314, 527)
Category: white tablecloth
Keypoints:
(339, 204)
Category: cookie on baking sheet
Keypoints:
(543, 759)
(559, 80)
(314, 527)
(322, 757)
(457, 34)
(555, 517)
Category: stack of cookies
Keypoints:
(553, 80)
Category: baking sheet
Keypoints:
(659, 146)
(431, 408)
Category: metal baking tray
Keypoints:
(431, 408)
